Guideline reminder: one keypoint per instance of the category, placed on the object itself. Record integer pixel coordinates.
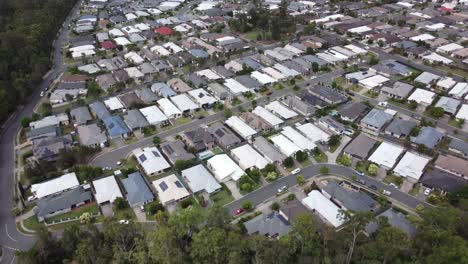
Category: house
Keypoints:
(178, 85)
(49, 149)
(53, 120)
(54, 186)
(99, 110)
(313, 133)
(352, 111)
(256, 122)
(331, 124)
(386, 155)
(146, 95)
(240, 127)
(373, 81)
(389, 68)
(151, 160)
(458, 146)
(91, 136)
(248, 158)
(153, 115)
(114, 104)
(453, 165)
(291, 210)
(269, 152)
(463, 112)
(267, 116)
(449, 104)
(175, 151)
(411, 166)
(395, 219)
(116, 127)
(295, 103)
(80, 115)
(286, 146)
(219, 91)
(200, 139)
(162, 90)
(168, 108)
(459, 90)
(224, 168)
(313, 100)
(354, 200)
(270, 225)
(280, 110)
(43, 132)
(399, 90)
(130, 100)
(400, 128)
(200, 180)
(137, 191)
(374, 121)
(360, 147)
(170, 190)
(427, 78)
(442, 180)
(326, 209)
(135, 120)
(446, 83)
(328, 95)
(61, 203)
(298, 139)
(223, 136)
(202, 98)
(235, 87)
(106, 190)
(428, 136)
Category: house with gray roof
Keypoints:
(290, 210)
(224, 136)
(248, 82)
(64, 202)
(328, 95)
(221, 70)
(360, 147)
(296, 104)
(449, 104)
(458, 146)
(200, 139)
(400, 128)
(349, 199)
(135, 120)
(43, 132)
(268, 151)
(219, 91)
(442, 180)
(313, 100)
(399, 90)
(99, 110)
(428, 136)
(352, 111)
(80, 115)
(331, 124)
(137, 190)
(49, 149)
(146, 95)
(175, 151)
(389, 68)
(395, 219)
(200, 180)
(162, 90)
(91, 136)
(271, 225)
(106, 81)
(375, 121)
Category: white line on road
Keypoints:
(6, 229)
(13, 259)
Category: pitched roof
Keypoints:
(65, 200)
(137, 190)
(360, 146)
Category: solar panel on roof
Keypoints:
(163, 186)
(219, 133)
(155, 153)
(142, 158)
(168, 149)
(178, 184)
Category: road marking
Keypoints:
(6, 229)
(10, 248)
(13, 259)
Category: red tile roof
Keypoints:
(165, 31)
(108, 44)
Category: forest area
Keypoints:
(207, 236)
(27, 30)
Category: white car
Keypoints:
(348, 132)
(42, 94)
(31, 198)
(383, 104)
(123, 222)
(427, 191)
(394, 185)
(282, 189)
(387, 192)
(296, 171)
(119, 163)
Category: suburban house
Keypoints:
(54, 186)
(272, 225)
(223, 136)
(224, 168)
(400, 128)
(349, 199)
(200, 180)
(269, 152)
(106, 190)
(428, 136)
(360, 147)
(374, 121)
(170, 190)
(136, 190)
(175, 151)
(151, 160)
(248, 158)
(91, 136)
(200, 139)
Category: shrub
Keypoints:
(274, 206)
(300, 180)
(372, 170)
(247, 205)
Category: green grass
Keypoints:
(126, 213)
(199, 113)
(252, 35)
(217, 150)
(455, 123)
(75, 213)
(320, 157)
(221, 198)
(371, 94)
(415, 190)
(32, 223)
(362, 166)
(334, 147)
(306, 163)
(278, 86)
(183, 120)
(391, 179)
(130, 140)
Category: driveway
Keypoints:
(406, 186)
(232, 186)
(106, 210)
(141, 216)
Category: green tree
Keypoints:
(437, 112)
(120, 203)
(247, 205)
(156, 140)
(346, 160)
(300, 180)
(25, 122)
(93, 89)
(274, 206)
(372, 169)
(305, 234)
(355, 225)
(301, 156)
(227, 112)
(288, 162)
(315, 67)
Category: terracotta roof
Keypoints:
(164, 31)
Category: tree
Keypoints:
(93, 89)
(437, 112)
(120, 203)
(247, 205)
(45, 109)
(323, 170)
(300, 180)
(334, 140)
(305, 233)
(288, 162)
(346, 160)
(274, 206)
(355, 224)
(25, 122)
(315, 67)
(181, 165)
(271, 176)
(156, 140)
(373, 59)
(227, 112)
(372, 169)
(301, 156)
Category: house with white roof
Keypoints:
(285, 146)
(224, 168)
(56, 185)
(151, 160)
(411, 166)
(449, 48)
(173, 47)
(262, 78)
(280, 110)
(373, 81)
(386, 155)
(168, 108)
(422, 37)
(160, 50)
(235, 87)
(288, 72)
(427, 78)
(122, 41)
(278, 76)
(153, 115)
(170, 190)
(422, 97)
(106, 190)
(247, 157)
(270, 118)
(436, 58)
(134, 58)
(326, 209)
(202, 98)
(459, 90)
(114, 104)
(463, 112)
(297, 138)
(183, 102)
(446, 83)
(115, 32)
(208, 74)
(240, 127)
(313, 133)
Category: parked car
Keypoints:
(383, 104)
(282, 189)
(119, 163)
(394, 185)
(362, 181)
(201, 117)
(142, 208)
(373, 187)
(238, 211)
(123, 222)
(360, 173)
(296, 171)
(348, 132)
(387, 192)
(427, 191)
(31, 198)
(42, 94)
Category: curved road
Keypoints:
(10, 238)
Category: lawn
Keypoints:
(126, 213)
(371, 94)
(334, 147)
(199, 113)
(320, 157)
(306, 163)
(278, 86)
(415, 190)
(455, 123)
(392, 179)
(217, 150)
(32, 223)
(222, 197)
(92, 209)
(130, 140)
(183, 120)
